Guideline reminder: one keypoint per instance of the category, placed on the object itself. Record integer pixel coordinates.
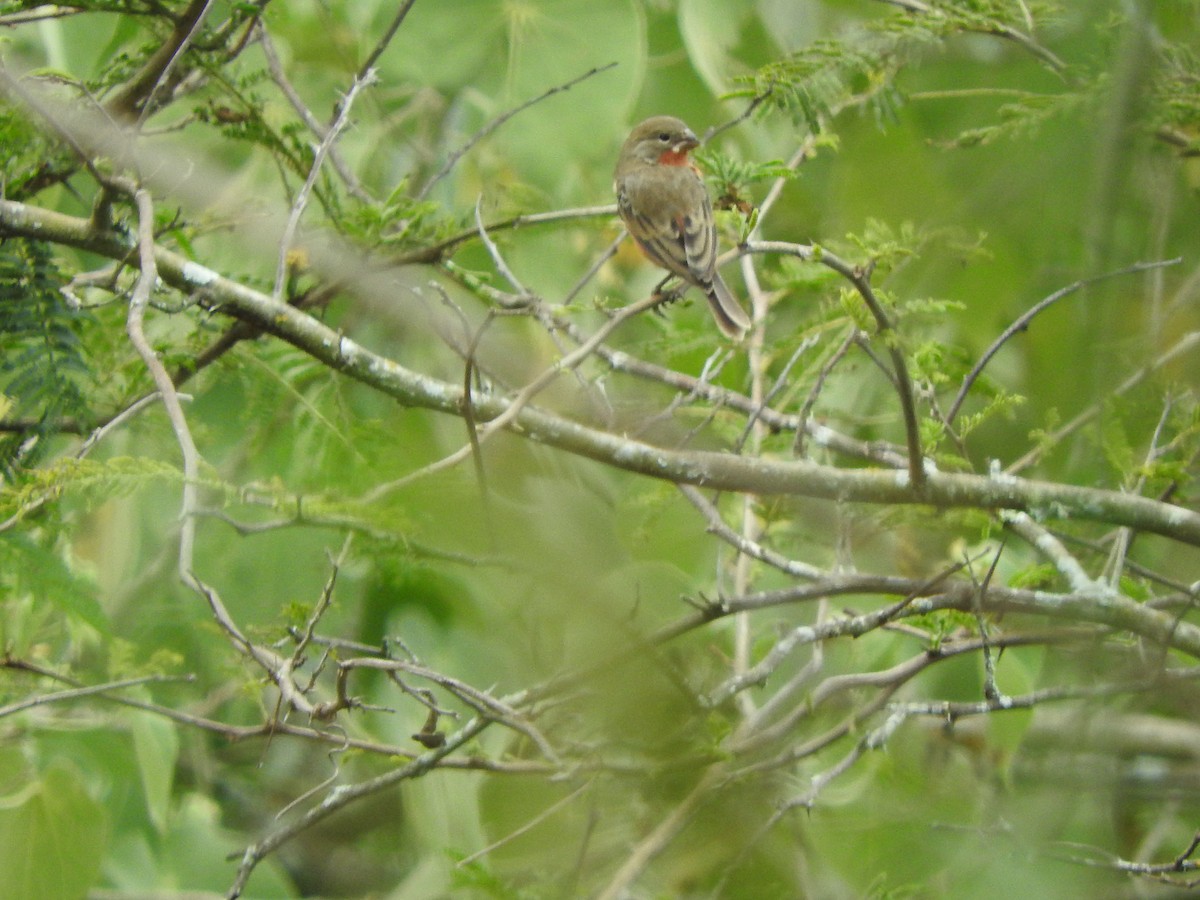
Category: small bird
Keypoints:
(666, 208)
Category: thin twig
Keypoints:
(661, 836)
(468, 413)
(776, 190)
(990, 690)
(522, 398)
(743, 545)
(314, 617)
(301, 201)
(524, 829)
(101, 431)
(320, 786)
(183, 39)
(951, 710)
(860, 277)
(275, 67)
(442, 249)
(805, 634)
(1022, 322)
(779, 384)
(852, 337)
(386, 39)
(1115, 566)
(32, 100)
(1185, 344)
(136, 94)
(147, 278)
(605, 255)
(483, 703)
(341, 797)
(712, 368)
(741, 117)
(491, 126)
(40, 14)
(88, 691)
(523, 293)
(910, 5)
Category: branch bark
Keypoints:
(721, 471)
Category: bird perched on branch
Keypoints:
(666, 208)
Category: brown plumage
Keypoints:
(666, 208)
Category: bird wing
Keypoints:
(698, 235)
(671, 219)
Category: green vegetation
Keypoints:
(364, 532)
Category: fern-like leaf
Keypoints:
(43, 367)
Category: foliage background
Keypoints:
(980, 154)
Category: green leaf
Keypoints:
(156, 746)
(29, 569)
(43, 367)
(52, 838)
(1034, 577)
(709, 29)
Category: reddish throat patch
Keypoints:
(674, 158)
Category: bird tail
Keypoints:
(728, 313)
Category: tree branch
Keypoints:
(702, 468)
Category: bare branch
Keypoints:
(304, 637)
(743, 545)
(275, 67)
(137, 96)
(1022, 323)
(341, 797)
(88, 691)
(162, 381)
(861, 279)
(708, 468)
(301, 201)
(382, 44)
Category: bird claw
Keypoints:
(666, 297)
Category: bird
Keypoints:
(665, 206)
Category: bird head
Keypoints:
(661, 139)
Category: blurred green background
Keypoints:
(982, 178)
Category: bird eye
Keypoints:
(664, 136)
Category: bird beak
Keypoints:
(689, 142)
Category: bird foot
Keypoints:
(665, 297)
